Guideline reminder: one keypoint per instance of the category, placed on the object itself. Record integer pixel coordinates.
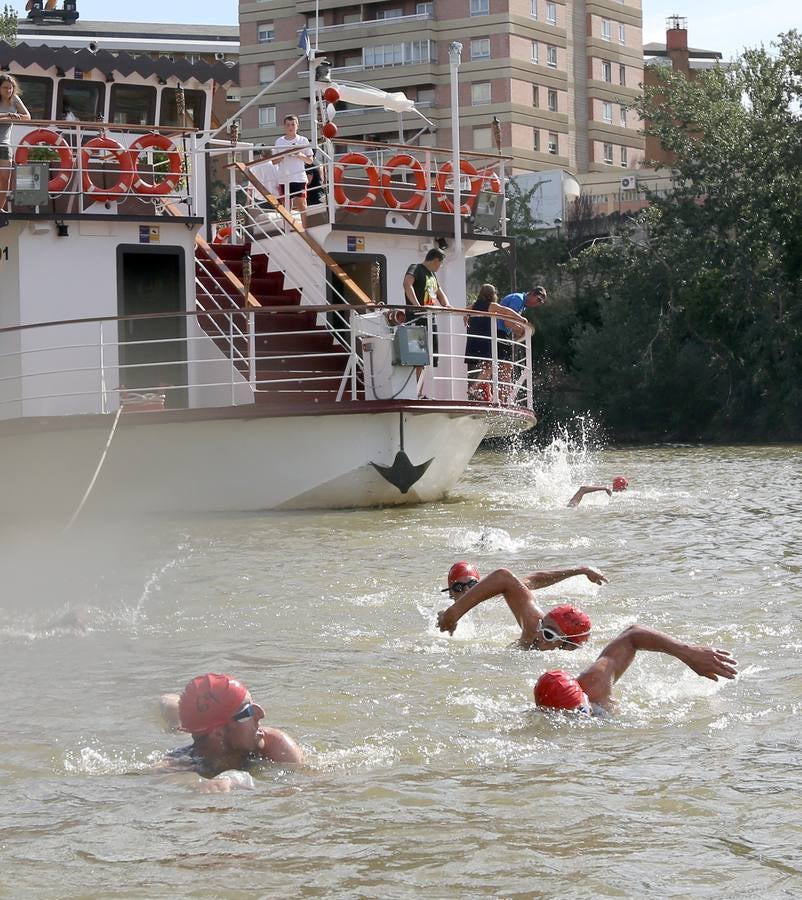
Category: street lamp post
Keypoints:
(455, 58)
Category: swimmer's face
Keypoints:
(460, 587)
(242, 733)
(549, 637)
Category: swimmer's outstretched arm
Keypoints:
(501, 581)
(598, 679)
(588, 489)
(544, 579)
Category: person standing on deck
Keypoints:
(292, 166)
(12, 109)
(421, 288)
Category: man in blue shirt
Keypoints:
(509, 333)
(520, 301)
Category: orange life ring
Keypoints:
(222, 234)
(440, 187)
(102, 195)
(170, 182)
(415, 200)
(355, 159)
(40, 136)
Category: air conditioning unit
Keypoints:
(629, 183)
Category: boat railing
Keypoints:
(395, 186)
(237, 357)
(99, 168)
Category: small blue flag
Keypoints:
(303, 42)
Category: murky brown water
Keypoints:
(430, 773)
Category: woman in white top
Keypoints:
(11, 108)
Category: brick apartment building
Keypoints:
(558, 75)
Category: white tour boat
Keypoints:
(152, 359)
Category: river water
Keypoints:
(429, 771)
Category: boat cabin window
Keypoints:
(195, 103)
(85, 99)
(132, 104)
(37, 94)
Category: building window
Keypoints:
(404, 53)
(535, 52)
(480, 93)
(551, 13)
(536, 140)
(480, 48)
(608, 154)
(607, 71)
(265, 33)
(624, 156)
(622, 75)
(482, 139)
(605, 29)
(607, 113)
(553, 143)
(389, 13)
(622, 35)
(552, 100)
(551, 57)
(622, 110)
(267, 73)
(533, 9)
(535, 96)
(267, 116)
(480, 7)
(426, 96)
(424, 9)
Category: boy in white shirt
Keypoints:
(291, 167)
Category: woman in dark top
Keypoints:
(478, 348)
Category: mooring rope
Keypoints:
(97, 471)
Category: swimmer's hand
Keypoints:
(594, 575)
(446, 620)
(226, 782)
(710, 662)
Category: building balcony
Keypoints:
(333, 31)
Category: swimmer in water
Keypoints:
(563, 628)
(619, 484)
(219, 712)
(591, 692)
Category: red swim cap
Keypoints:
(572, 622)
(620, 483)
(558, 690)
(462, 571)
(210, 701)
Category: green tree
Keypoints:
(8, 24)
(699, 316)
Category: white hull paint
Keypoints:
(230, 464)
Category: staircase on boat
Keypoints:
(297, 359)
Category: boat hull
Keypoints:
(245, 461)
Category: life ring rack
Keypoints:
(97, 194)
(170, 182)
(415, 199)
(355, 159)
(44, 136)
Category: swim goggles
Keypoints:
(552, 635)
(460, 587)
(247, 712)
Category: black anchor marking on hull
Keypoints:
(403, 474)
